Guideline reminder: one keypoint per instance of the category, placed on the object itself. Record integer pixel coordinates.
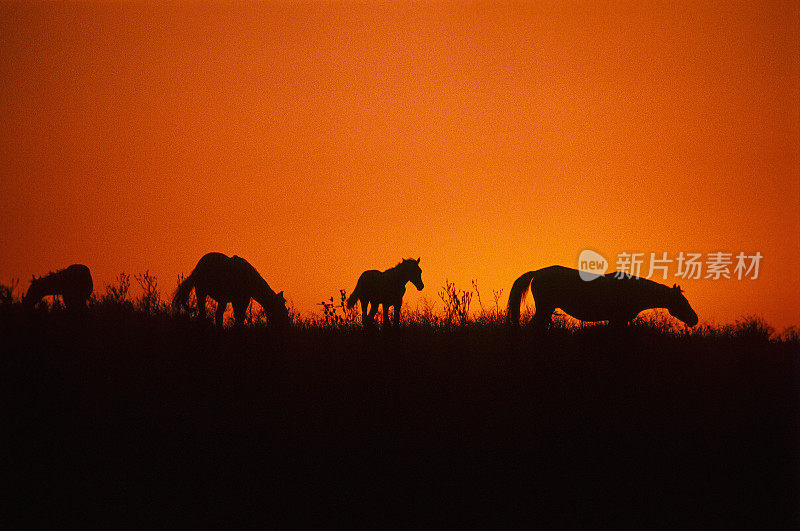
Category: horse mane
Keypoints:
(636, 280)
(656, 286)
(397, 267)
(648, 287)
(255, 275)
(47, 276)
(403, 261)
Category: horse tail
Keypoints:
(88, 283)
(351, 300)
(518, 290)
(181, 297)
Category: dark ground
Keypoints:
(132, 419)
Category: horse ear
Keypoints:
(280, 294)
(674, 286)
(418, 259)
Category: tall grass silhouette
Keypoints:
(131, 410)
(457, 310)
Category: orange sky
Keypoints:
(319, 140)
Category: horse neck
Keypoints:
(259, 289)
(47, 285)
(653, 294)
(396, 275)
(34, 293)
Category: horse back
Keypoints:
(213, 275)
(374, 285)
(77, 279)
(212, 262)
(600, 299)
(249, 277)
(368, 283)
(226, 278)
(369, 276)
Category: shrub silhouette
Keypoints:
(117, 292)
(337, 314)
(586, 422)
(456, 303)
(7, 293)
(150, 301)
(493, 315)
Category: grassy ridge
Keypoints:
(127, 413)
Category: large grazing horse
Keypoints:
(73, 283)
(387, 288)
(603, 298)
(230, 279)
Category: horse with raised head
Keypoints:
(230, 280)
(73, 283)
(611, 297)
(386, 288)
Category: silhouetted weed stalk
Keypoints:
(7, 292)
(150, 300)
(116, 297)
(492, 315)
(336, 314)
(116, 294)
(456, 303)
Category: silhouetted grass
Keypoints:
(132, 413)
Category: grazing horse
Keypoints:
(601, 298)
(230, 279)
(73, 283)
(387, 288)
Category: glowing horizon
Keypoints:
(319, 141)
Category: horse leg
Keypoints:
(542, 318)
(240, 312)
(372, 311)
(74, 303)
(220, 313)
(364, 308)
(201, 304)
(397, 312)
(386, 322)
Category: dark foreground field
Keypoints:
(129, 418)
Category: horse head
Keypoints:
(414, 272)
(275, 307)
(679, 307)
(33, 295)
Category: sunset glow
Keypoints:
(318, 141)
